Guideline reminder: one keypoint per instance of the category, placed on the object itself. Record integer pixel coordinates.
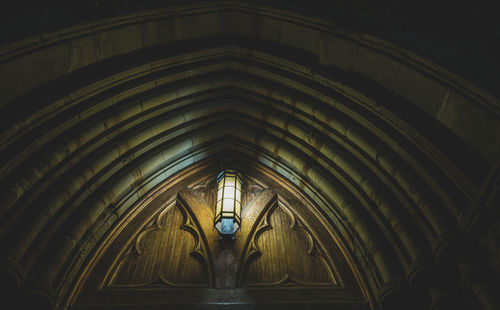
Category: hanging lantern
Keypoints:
(228, 207)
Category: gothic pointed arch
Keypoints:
(398, 155)
(167, 246)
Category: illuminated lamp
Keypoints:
(228, 207)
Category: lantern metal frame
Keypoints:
(228, 202)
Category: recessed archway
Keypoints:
(286, 253)
(371, 133)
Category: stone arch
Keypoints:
(360, 125)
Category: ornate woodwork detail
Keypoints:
(252, 189)
(283, 251)
(168, 251)
(204, 191)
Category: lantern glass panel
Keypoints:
(218, 208)
(229, 193)
(229, 182)
(237, 209)
(238, 195)
(228, 205)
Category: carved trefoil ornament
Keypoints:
(168, 251)
(282, 250)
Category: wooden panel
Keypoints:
(167, 251)
(284, 252)
(169, 254)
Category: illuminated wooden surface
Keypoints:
(177, 258)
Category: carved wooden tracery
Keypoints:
(283, 251)
(170, 245)
(169, 250)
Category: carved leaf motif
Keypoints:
(203, 191)
(282, 251)
(168, 251)
(253, 189)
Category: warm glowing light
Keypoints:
(228, 207)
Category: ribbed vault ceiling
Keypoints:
(80, 147)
